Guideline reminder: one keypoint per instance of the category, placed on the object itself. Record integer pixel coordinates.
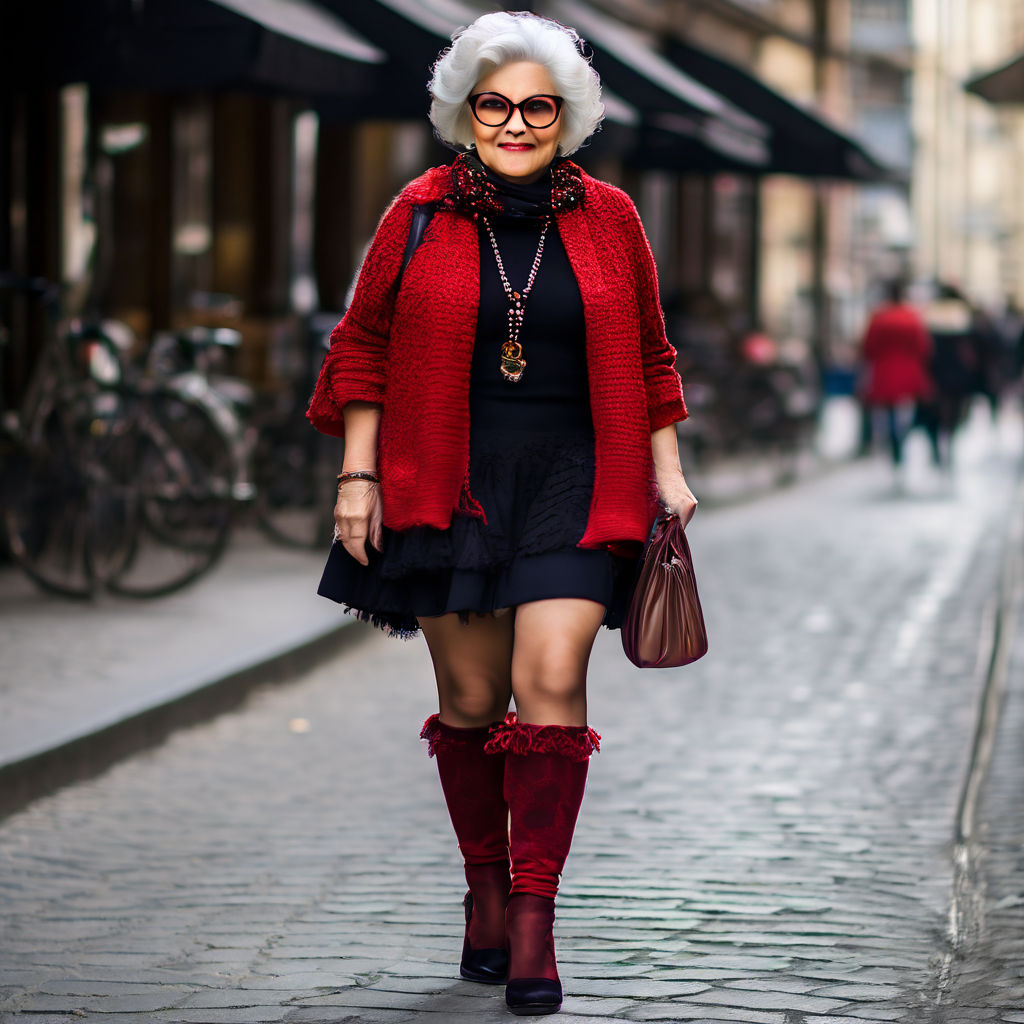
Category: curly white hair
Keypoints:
(494, 40)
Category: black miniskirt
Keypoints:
(536, 495)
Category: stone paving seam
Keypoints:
(967, 905)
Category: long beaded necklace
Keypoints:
(512, 362)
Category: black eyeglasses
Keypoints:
(493, 110)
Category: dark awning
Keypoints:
(801, 142)
(413, 33)
(709, 130)
(286, 46)
(1004, 85)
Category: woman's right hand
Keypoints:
(358, 518)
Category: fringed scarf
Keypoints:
(476, 189)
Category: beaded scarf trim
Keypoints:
(473, 192)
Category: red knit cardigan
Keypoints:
(411, 352)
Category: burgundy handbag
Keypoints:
(664, 625)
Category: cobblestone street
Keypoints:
(766, 836)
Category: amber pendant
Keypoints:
(512, 361)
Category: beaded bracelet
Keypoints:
(362, 474)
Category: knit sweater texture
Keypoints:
(410, 349)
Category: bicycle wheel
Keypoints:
(182, 466)
(66, 526)
(295, 473)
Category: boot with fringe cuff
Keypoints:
(473, 786)
(545, 776)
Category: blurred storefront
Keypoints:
(158, 158)
(176, 162)
(772, 247)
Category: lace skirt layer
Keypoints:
(535, 488)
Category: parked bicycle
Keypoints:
(292, 468)
(111, 480)
(295, 467)
(128, 477)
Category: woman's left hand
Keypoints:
(672, 489)
(676, 496)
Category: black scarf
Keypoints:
(477, 189)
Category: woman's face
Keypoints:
(514, 150)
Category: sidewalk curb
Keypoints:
(89, 754)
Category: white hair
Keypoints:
(494, 40)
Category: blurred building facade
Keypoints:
(968, 184)
(881, 80)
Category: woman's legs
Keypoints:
(553, 640)
(546, 755)
(472, 666)
(895, 434)
(532, 773)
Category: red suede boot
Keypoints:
(472, 782)
(545, 776)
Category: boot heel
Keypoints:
(487, 966)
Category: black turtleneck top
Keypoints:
(553, 393)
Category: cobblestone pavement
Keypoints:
(765, 839)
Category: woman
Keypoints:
(508, 401)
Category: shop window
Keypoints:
(732, 238)
(192, 205)
(303, 290)
(78, 226)
(658, 208)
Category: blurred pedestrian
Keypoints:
(994, 357)
(955, 368)
(507, 412)
(1012, 330)
(896, 351)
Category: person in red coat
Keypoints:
(896, 351)
(508, 400)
